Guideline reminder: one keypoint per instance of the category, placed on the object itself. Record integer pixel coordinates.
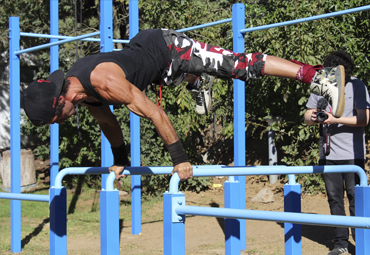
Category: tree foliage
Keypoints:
(307, 42)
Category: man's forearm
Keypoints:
(113, 133)
(354, 121)
(165, 128)
(168, 134)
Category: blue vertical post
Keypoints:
(173, 228)
(109, 200)
(15, 131)
(135, 136)
(232, 226)
(293, 232)
(106, 45)
(54, 65)
(362, 209)
(109, 223)
(238, 21)
(58, 221)
(58, 241)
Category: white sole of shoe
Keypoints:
(205, 106)
(340, 77)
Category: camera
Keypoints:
(321, 116)
(321, 106)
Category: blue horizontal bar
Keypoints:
(211, 170)
(292, 22)
(48, 45)
(78, 171)
(66, 37)
(268, 170)
(152, 170)
(105, 170)
(297, 218)
(27, 197)
(56, 36)
(204, 25)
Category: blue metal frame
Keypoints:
(135, 136)
(174, 201)
(24, 197)
(297, 218)
(292, 232)
(291, 217)
(109, 222)
(106, 45)
(58, 221)
(232, 226)
(173, 229)
(362, 209)
(238, 21)
(15, 144)
(109, 200)
(70, 37)
(48, 45)
(204, 25)
(54, 65)
(312, 18)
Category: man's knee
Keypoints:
(256, 64)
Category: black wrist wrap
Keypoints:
(120, 155)
(177, 153)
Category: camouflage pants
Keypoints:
(190, 56)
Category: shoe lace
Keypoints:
(326, 92)
(343, 250)
(199, 99)
(204, 82)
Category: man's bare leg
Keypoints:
(280, 67)
(328, 82)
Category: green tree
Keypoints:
(307, 42)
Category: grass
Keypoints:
(34, 221)
(83, 218)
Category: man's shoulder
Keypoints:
(356, 81)
(356, 84)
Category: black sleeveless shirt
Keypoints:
(143, 60)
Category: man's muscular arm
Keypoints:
(108, 124)
(112, 131)
(110, 82)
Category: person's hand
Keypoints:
(330, 120)
(313, 117)
(184, 170)
(117, 170)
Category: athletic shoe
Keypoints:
(329, 83)
(338, 251)
(203, 93)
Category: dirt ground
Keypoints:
(205, 235)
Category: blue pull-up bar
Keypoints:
(48, 45)
(204, 25)
(302, 20)
(67, 37)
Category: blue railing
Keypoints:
(174, 201)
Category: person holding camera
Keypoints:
(342, 141)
